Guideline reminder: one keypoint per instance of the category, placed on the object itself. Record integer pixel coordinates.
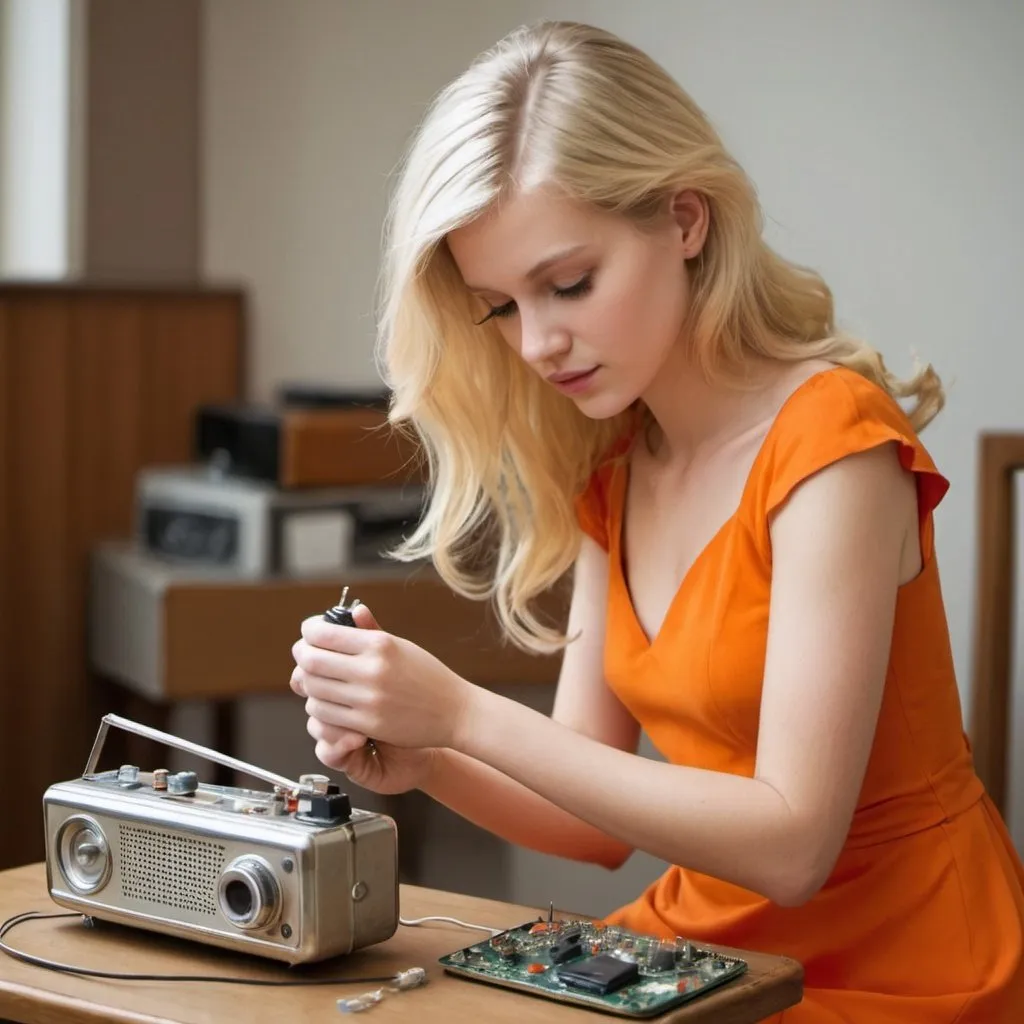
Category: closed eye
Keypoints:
(506, 310)
(575, 291)
(578, 290)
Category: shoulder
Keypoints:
(835, 414)
(838, 405)
(840, 421)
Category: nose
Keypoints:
(542, 343)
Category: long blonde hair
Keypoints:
(574, 105)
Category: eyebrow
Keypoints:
(539, 268)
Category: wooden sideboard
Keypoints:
(95, 382)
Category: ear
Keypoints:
(692, 215)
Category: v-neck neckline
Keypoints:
(617, 554)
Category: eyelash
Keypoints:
(574, 291)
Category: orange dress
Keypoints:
(922, 920)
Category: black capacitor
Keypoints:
(566, 948)
(663, 960)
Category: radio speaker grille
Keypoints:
(173, 870)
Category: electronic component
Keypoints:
(662, 959)
(602, 967)
(412, 978)
(341, 613)
(603, 973)
(566, 948)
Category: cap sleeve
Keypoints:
(841, 413)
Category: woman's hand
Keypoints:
(364, 682)
(381, 769)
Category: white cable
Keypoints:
(412, 922)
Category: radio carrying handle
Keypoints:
(186, 745)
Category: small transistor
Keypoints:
(662, 959)
(566, 948)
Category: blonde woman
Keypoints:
(613, 374)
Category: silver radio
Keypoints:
(293, 873)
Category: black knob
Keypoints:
(329, 809)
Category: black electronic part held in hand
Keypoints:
(341, 615)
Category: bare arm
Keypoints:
(479, 792)
(584, 705)
(838, 550)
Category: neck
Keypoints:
(693, 413)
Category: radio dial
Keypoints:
(183, 783)
(248, 893)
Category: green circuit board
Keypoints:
(603, 968)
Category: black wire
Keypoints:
(86, 972)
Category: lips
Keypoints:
(569, 375)
(573, 382)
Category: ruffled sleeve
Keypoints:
(836, 414)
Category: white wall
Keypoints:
(307, 105)
(885, 139)
(1015, 768)
(40, 177)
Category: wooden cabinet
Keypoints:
(95, 382)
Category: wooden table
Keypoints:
(32, 995)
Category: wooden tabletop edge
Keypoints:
(15, 996)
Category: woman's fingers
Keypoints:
(317, 632)
(364, 618)
(340, 716)
(340, 742)
(333, 691)
(368, 665)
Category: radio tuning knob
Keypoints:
(183, 783)
(128, 776)
(316, 784)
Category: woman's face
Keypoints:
(590, 301)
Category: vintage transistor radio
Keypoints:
(293, 873)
